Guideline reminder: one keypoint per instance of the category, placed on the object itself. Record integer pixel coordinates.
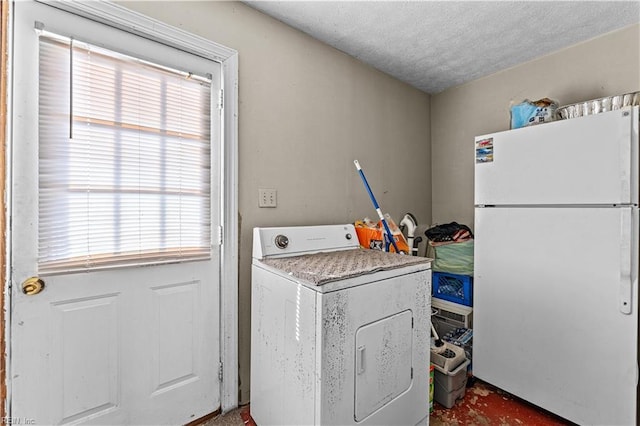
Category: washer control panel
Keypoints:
(298, 240)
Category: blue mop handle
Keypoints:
(376, 206)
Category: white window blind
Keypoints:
(124, 160)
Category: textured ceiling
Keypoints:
(434, 45)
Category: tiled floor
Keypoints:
(482, 405)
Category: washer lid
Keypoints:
(322, 268)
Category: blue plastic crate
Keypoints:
(454, 288)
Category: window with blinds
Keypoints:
(124, 160)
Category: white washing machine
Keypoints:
(339, 334)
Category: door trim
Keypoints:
(4, 137)
(133, 22)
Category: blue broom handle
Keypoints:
(376, 206)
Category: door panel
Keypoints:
(84, 355)
(537, 164)
(176, 334)
(384, 351)
(134, 345)
(549, 326)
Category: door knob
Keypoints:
(32, 286)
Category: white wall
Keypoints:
(606, 65)
(306, 112)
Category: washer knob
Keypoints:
(282, 241)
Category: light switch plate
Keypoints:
(267, 197)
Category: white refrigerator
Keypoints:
(556, 265)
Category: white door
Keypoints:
(131, 342)
(555, 316)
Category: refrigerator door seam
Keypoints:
(561, 206)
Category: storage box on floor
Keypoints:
(450, 379)
(451, 246)
(450, 386)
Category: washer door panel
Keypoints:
(383, 355)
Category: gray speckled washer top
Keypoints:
(322, 268)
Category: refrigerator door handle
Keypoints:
(626, 253)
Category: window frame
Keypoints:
(59, 98)
(119, 17)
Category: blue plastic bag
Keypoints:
(528, 113)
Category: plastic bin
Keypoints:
(450, 386)
(447, 358)
(452, 287)
(462, 337)
(448, 399)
